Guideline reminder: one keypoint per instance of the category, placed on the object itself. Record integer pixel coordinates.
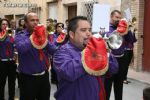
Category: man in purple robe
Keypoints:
(117, 79)
(73, 82)
(130, 39)
(33, 68)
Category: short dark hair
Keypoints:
(55, 20)
(72, 26)
(19, 22)
(146, 93)
(114, 11)
(50, 20)
(2, 21)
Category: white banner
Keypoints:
(101, 17)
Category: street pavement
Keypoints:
(132, 91)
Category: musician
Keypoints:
(66, 25)
(74, 83)
(58, 29)
(54, 22)
(7, 61)
(49, 26)
(33, 60)
(129, 45)
(117, 79)
(13, 26)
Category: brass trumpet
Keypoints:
(5, 33)
(132, 25)
(9, 31)
(113, 41)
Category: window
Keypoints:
(52, 10)
(87, 9)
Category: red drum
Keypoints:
(94, 57)
(61, 38)
(39, 38)
(122, 27)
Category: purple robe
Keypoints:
(7, 48)
(29, 60)
(130, 39)
(73, 82)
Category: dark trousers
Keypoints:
(116, 80)
(53, 75)
(34, 87)
(7, 70)
(128, 58)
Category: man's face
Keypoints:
(54, 23)
(32, 21)
(48, 23)
(115, 17)
(13, 23)
(81, 35)
(4, 24)
(22, 22)
(67, 23)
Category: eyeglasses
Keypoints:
(60, 26)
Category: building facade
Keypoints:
(15, 9)
(140, 10)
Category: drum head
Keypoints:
(94, 57)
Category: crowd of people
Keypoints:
(30, 52)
